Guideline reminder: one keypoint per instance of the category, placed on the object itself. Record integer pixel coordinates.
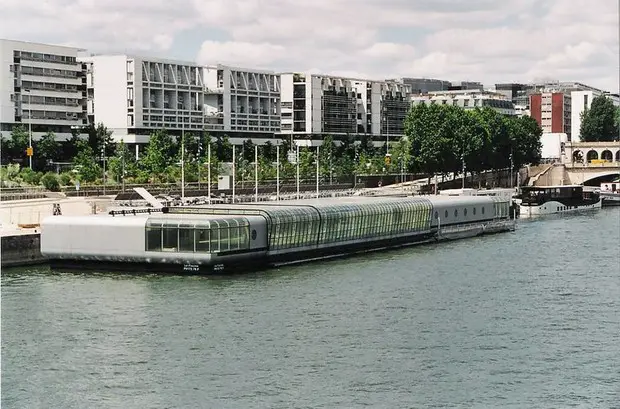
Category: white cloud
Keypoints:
(485, 40)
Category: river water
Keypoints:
(529, 319)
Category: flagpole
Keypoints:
(297, 171)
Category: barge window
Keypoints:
(153, 238)
(202, 240)
(170, 239)
(186, 239)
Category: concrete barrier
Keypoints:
(21, 250)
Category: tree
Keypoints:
(48, 150)
(123, 164)
(85, 163)
(98, 137)
(160, 154)
(327, 157)
(20, 139)
(599, 123)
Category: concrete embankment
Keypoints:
(21, 249)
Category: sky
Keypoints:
(489, 41)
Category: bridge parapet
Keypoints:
(588, 152)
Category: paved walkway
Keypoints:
(31, 212)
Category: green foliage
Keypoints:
(440, 137)
(600, 122)
(85, 164)
(47, 150)
(20, 139)
(160, 154)
(30, 176)
(50, 182)
(98, 137)
(65, 179)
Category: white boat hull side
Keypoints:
(610, 199)
(553, 207)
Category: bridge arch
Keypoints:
(578, 156)
(607, 155)
(618, 156)
(592, 155)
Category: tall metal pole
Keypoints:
(511, 166)
(317, 171)
(463, 165)
(256, 173)
(29, 127)
(123, 161)
(297, 171)
(278, 172)
(209, 172)
(183, 163)
(234, 170)
(103, 159)
(198, 160)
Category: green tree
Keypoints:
(123, 164)
(160, 153)
(20, 139)
(328, 158)
(525, 134)
(599, 122)
(69, 148)
(48, 150)
(98, 137)
(86, 163)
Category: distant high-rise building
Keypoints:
(552, 111)
(423, 85)
(315, 104)
(41, 86)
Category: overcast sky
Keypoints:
(478, 40)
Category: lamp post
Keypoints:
(30, 152)
(511, 167)
(317, 171)
(256, 173)
(183, 162)
(297, 160)
(278, 171)
(209, 172)
(103, 160)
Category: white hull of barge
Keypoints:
(553, 207)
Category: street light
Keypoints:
(30, 151)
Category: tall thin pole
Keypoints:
(317, 171)
(511, 166)
(209, 172)
(463, 166)
(297, 154)
(234, 170)
(29, 127)
(182, 163)
(103, 159)
(198, 160)
(123, 158)
(278, 172)
(256, 173)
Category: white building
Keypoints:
(468, 99)
(133, 96)
(580, 101)
(323, 105)
(41, 86)
(242, 103)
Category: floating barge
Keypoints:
(227, 238)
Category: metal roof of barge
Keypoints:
(327, 203)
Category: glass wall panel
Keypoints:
(202, 240)
(153, 239)
(170, 238)
(186, 240)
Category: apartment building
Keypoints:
(424, 85)
(582, 100)
(318, 105)
(133, 96)
(242, 103)
(468, 99)
(552, 111)
(41, 86)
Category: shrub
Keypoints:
(50, 182)
(65, 179)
